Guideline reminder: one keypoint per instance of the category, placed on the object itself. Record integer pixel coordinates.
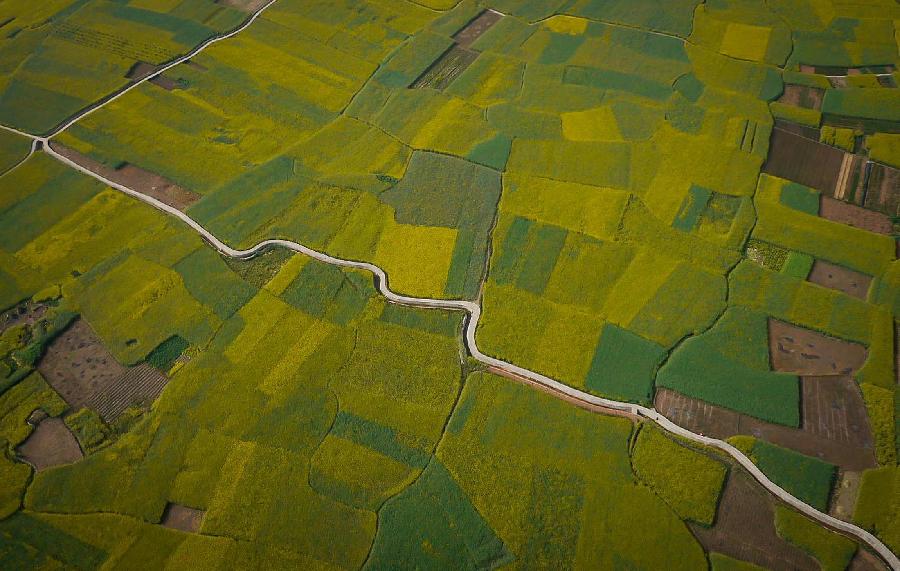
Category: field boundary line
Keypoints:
(473, 311)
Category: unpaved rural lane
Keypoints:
(474, 314)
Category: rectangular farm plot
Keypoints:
(802, 96)
(840, 278)
(417, 259)
(591, 210)
(459, 56)
(594, 163)
(794, 157)
(834, 427)
(624, 365)
(805, 352)
(855, 216)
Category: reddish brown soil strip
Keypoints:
(797, 158)
(134, 177)
(244, 5)
(745, 528)
(834, 426)
(802, 96)
(798, 129)
(50, 444)
(85, 374)
(855, 216)
(843, 500)
(840, 278)
(805, 352)
(883, 189)
(23, 314)
(865, 561)
(473, 30)
(182, 518)
(563, 396)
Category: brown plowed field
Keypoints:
(50, 444)
(834, 424)
(883, 190)
(865, 561)
(473, 30)
(855, 216)
(85, 374)
(802, 96)
(136, 178)
(803, 351)
(797, 158)
(182, 518)
(840, 278)
(745, 528)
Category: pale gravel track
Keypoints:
(473, 310)
(474, 314)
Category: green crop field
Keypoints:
(595, 176)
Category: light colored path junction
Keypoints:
(472, 309)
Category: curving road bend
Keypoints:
(473, 311)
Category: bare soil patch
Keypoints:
(142, 70)
(834, 424)
(882, 192)
(135, 177)
(840, 278)
(843, 500)
(51, 443)
(446, 68)
(805, 352)
(182, 518)
(85, 374)
(794, 157)
(802, 96)
(745, 528)
(865, 561)
(244, 5)
(473, 30)
(855, 216)
(798, 129)
(165, 82)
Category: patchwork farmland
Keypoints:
(449, 284)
